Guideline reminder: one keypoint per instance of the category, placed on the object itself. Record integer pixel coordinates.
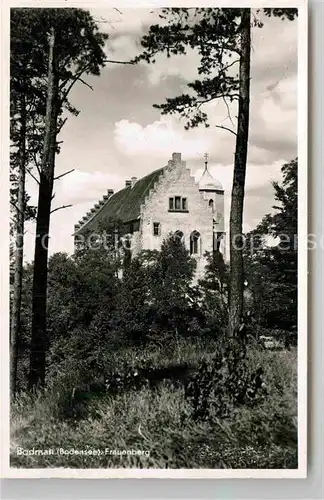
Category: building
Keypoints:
(165, 201)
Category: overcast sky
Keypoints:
(118, 133)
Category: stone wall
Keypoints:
(177, 181)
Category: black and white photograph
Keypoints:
(157, 176)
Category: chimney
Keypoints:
(176, 161)
(176, 157)
(133, 181)
(128, 183)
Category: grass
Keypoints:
(155, 422)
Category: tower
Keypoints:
(213, 192)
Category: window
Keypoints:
(211, 204)
(178, 204)
(156, 228)
(178, 235)
(127, 248)
(195, 243)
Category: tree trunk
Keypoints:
(237, 201)
(19, 250)
(39, 293)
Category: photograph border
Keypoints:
(301, 471)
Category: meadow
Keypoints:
(157, 420)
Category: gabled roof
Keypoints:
(125, 205)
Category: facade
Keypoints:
(165, 201)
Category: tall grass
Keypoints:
(157, 423)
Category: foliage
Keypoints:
(174, 299)
(155, 299)
(254, 437)
(214, 34)
(134, 310)
(91, 309)
(214, 291)
(272, 270)
(216, 273)
(224, 382)
(77, 51)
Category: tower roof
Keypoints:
(208, 183)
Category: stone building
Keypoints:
(165, 201)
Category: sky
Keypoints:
(118, 134)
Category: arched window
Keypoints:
(211, 204)
(127, 249)
(195, 242)
(178, 235)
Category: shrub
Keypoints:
(225, 381)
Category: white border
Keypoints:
(301, 472)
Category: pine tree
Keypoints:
(222, 38)
(65, 44)
(272, 270)
(25, 103)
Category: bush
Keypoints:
(224, 382)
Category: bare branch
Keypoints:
(229, 65)
(232, 97)
(32, 175)
(226, 128)
(228, 111)
(119, 62)
(61, 126)
(119, 11)
(75, 78)
(85, 83)
(60, 208)
(17, 208)
(62, 175)
(36, 162)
